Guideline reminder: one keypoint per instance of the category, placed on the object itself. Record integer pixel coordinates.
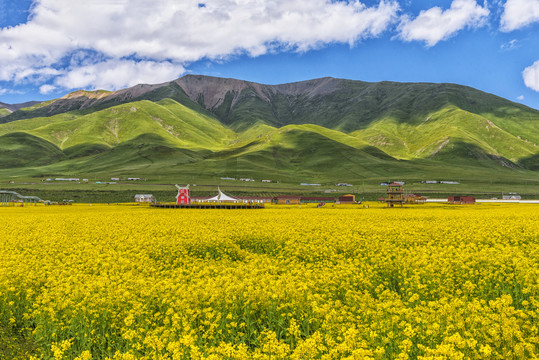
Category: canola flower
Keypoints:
(126, 283)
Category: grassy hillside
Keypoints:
(4, 112)
(441, 130)
(320, 130)
(20, 149)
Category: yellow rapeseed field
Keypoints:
(127, 282)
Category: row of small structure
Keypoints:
(185, 198)
(395, 196)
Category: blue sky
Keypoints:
(51, 47)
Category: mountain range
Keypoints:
(323, 130)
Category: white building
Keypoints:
(144, 198)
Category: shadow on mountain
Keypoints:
(305, 153)
(83, 150)
(143, 151)
(20, 149)
(530, 163)
(468, 154)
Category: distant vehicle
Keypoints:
(343, 184)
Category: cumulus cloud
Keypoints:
(116, 74)
(519, 13)
(531, 76)
(435, 24)
(129, 35)
(520, 98)
(46, 89)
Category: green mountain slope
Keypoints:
(19, 149)
(4, 112)
(313, 130)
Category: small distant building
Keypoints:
(512, 196)
(343, 184)
(395, 194)
(115, 179)
(133, 178)
(347, 199)
(309, 184)
(382, 199)
(266, 181)
(67, 179)
(287, 199)
(184, 195)
(142, 198)
(461, 199)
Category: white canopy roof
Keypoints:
(222, 197)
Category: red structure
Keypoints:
(184, 195)
(347, 199)
(461, 200)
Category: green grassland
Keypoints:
(4, 112)
(342, 131)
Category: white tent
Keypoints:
(222, 197)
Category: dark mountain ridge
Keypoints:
(303, 129)
(342, 104)
(15, 107)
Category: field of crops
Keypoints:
(120, 282)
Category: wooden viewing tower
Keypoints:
(395, 194)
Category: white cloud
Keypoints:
(435, 24)
(176, 33)
(116, 74)
(520, 98)
(531, 76)
(510, 45)
(3, 91)
(519, 13)
(46, 89)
